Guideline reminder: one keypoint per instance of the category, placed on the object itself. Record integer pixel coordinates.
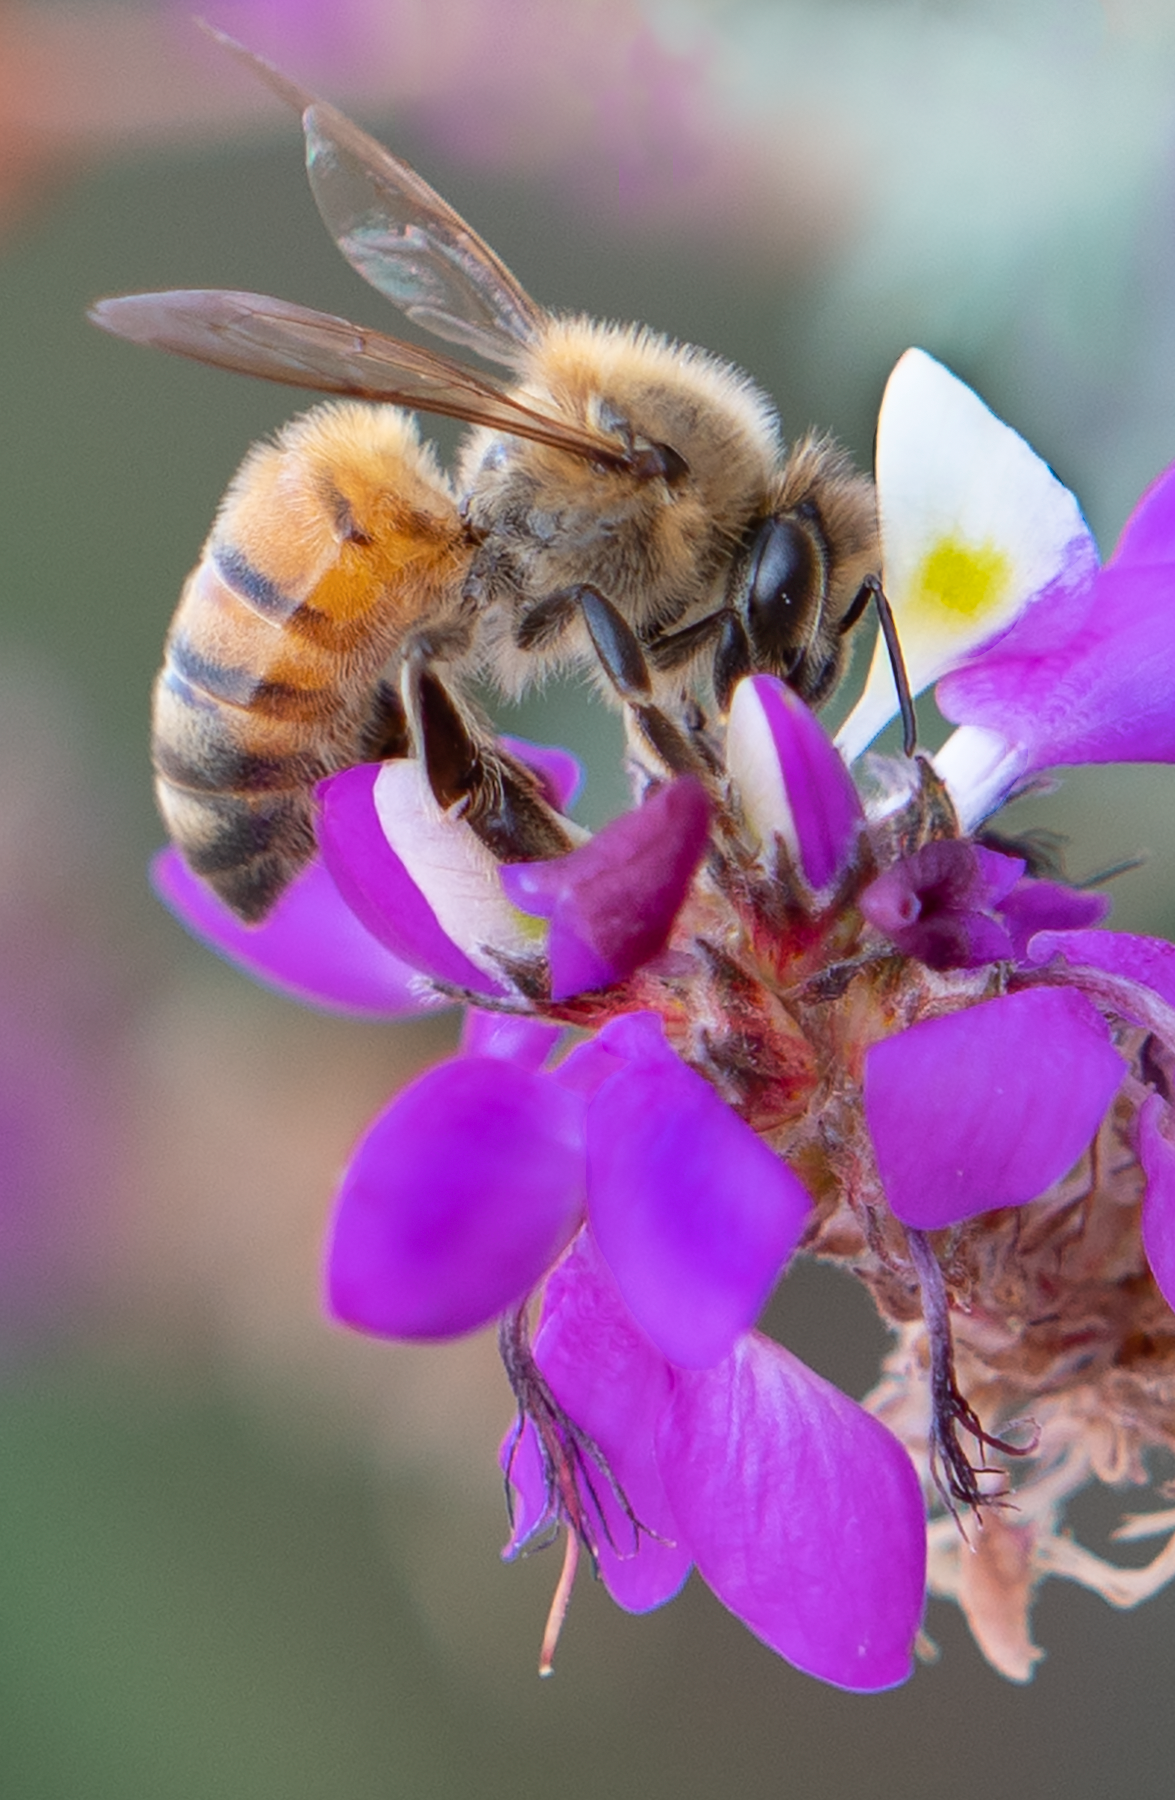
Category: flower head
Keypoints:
(817, 1014)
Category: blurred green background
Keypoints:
(240, 1554)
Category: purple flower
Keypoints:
(457, 1201)
(815, 1015)
(988, 1107)
(312, 946)
(793, 787)
(1048, 695)
(800, 1511)
(463, 1193)
(603, 1374)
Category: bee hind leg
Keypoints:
(496, 796)
(387, 736)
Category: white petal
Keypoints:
(980, 768)
(974, 527)
(452, 868)
(752, 758)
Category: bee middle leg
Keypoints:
(387, 735)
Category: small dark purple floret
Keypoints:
(938, 905)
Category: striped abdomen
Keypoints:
(330, 547)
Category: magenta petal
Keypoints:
(631, 1036)
(1034, 906)
(1157, 1155)
(1148, 536)
(456, 1201)
(998, 872)
(612, 1383)
(311, 946)
(935, 904)
(379, 889)
(521, 1462)
(803, 1513)
(1145, 962)
(560, 774)
(695, 1216)
(612, 902)
(1100, 691)
(988, 1107)
(792, 779)
(511, 1036)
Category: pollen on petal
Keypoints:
(975, 529)
(1084, 684)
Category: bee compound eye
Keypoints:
(782, 581)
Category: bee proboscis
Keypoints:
(622, 502)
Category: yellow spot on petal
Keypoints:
(959, 586)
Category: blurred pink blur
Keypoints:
(588, 98)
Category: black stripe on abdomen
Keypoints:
(237, 831)
(190, 674)
(215, 765)
(251, 586)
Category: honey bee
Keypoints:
(623, 502)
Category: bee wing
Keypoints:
(410, 244)
(400, 235)
(254, 335)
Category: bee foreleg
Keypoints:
(492, 793)
(733, 659)
(733, 654)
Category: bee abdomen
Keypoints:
(197, 678)
(331, 546)
(245, 723)
(220, 766)
(248, 848)
(251, 585)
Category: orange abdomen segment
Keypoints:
(331, 547)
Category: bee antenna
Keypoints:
(285, 89)
(871, 589)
